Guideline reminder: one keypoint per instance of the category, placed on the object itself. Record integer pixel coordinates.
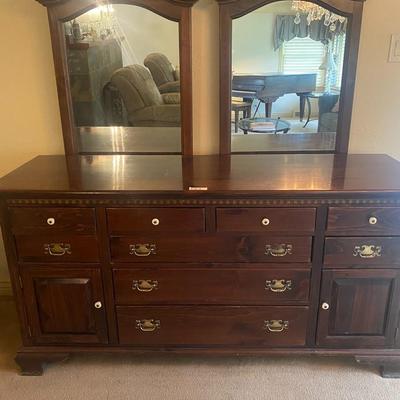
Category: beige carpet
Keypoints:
(181, 378)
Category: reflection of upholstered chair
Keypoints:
(144, 104)
(164, 74)
(328, 113)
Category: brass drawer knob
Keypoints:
(373, 220)
(367, 251)
(278, 250)
(276, 325)
(142, 250)
(144, 285)
(325, 306)
(265, 221)
(98, 305)
(57, 249)
(148, 325)
(155, 221)
(51, 221)
(278, 285)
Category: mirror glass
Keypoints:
(287, 66)
(123, 63)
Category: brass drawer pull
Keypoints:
(144, 285)
(367, 251)
(142, 250)
(278, 285)
(57, 249)
(278, 250)
(148, 325)
(276, 325)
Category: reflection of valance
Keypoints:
(286, 29)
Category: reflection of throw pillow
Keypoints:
(171, 98)
(335, 108)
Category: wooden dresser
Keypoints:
(241, 254)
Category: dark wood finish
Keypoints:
(231, 9)
(341, 251)
(211, 248)
(197, 285)
(360, 313)
(212, 326)
(175, 10)
(34, 221)
(294, 220)
(356, 221)
(81, 248)
(61, 305)
(125, 220)
(31, 364)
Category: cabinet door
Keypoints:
(65, 305)
(359, 308)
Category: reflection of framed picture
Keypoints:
(394, 55)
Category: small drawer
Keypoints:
(292, 220)
(212, 325)
(57, 249)
(37, 221)
(364, 221)
(210, 248)
(125, 220)
(363, 251)
(211, 286)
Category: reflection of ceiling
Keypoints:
(280, 7)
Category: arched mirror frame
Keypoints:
(232, 9)
(179, 11)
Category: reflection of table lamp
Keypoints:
(329, 65)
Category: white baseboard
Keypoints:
(5, 289)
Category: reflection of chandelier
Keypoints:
(315, 13)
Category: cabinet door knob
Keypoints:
(265, 221)
(373, 220)
(325, 306)
(155, 221)
(98, 304)
(51, 221)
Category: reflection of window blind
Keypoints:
(304, 55)
(339, 44)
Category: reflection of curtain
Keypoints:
(286, 29)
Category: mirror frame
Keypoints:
(232, 9)
(60, 11)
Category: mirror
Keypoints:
(287, 69)
(123, 68)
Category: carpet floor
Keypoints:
(127, 377)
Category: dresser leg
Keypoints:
(31, 364)
(389, 366)
(391, 371)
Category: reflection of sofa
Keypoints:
(328, 113)
(164, 74)
(144, 104)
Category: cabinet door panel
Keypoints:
(61, 305)
(363, 308)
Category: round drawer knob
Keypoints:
(98, 304)
(51, 221)
(373, 220)
(265, 221)
(325, 306)
(155, 221)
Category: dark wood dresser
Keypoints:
(241, 254)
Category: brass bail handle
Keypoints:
(142, 249)
(57, 249)
(148, 325)
(278, 250)
(367, 251)
(144, 285)
(276, 325)
(278, 285)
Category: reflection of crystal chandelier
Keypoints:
(315, 13)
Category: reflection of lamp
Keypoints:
(329, 65)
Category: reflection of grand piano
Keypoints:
(269, 87)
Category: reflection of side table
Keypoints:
(255, 125)
(315, 95)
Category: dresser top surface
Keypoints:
(235, 174)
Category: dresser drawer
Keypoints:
(210, 248)
(57, 249)
(292, 220)
(362, 251)
(212, 325)
(36, 221)
(364, 221)
(123, 220)
(211, 286)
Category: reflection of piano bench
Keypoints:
(240, 106)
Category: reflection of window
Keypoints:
(338, 47)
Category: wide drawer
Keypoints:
(57, 249)
(122, 220)
(48, 221)
(211, 286)
(293, 220)
(210, 248)
(364, 251)
(364, 221)
(212, 326)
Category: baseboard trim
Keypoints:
(5, 289)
